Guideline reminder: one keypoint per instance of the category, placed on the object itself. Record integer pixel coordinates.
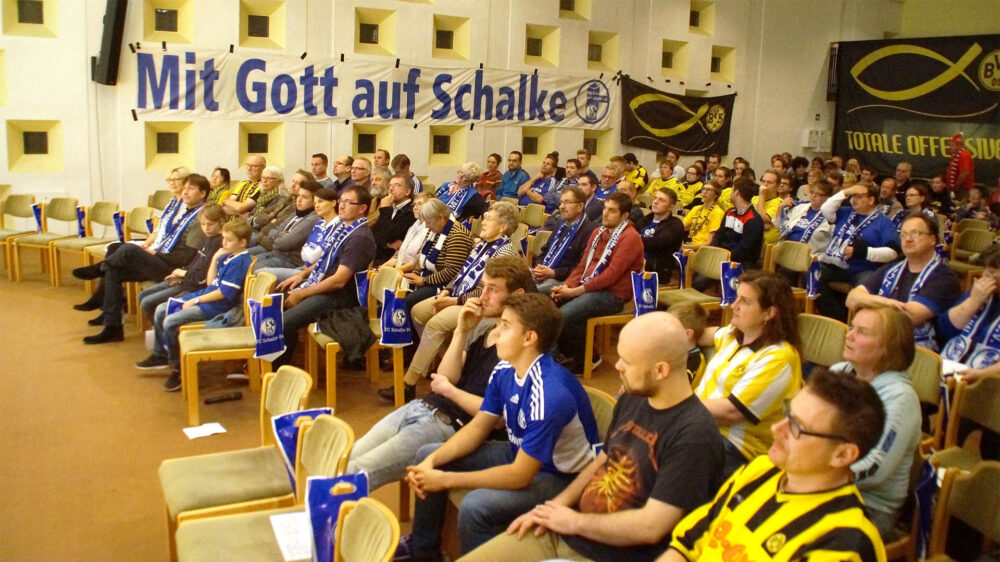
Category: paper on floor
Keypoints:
(204, 430)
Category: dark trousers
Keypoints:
(129, 263)
(833, 303)
(308, 311)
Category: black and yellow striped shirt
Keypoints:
(750, 520)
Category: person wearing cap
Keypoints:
(961, 173)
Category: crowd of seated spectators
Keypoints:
(697, 450)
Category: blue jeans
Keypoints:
(158, 294)
(545, 287)
(485, 512)
(167, 328)
(391, 444)
(575, 315)
(256, 250)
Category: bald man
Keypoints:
(662, 458)
(244, 197)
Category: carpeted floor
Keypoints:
(82, 432)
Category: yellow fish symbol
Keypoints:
(953, 71)
(676, 129)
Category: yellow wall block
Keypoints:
(21, 163)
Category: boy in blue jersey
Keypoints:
(224, 290)
(551, 434)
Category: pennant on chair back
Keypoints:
(682, 262)
(286, 434)
(361, 282)
(731, 272)
(268, 326)
(644, 291)
(119, 219)
(149, 226)
(396, 330)
(174, 305)
(37, 209)
(812, 279)
(324, 497)
(942, 251)
(81, 222)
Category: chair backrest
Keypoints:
(533, 215)
(925, 375)
(972, 224)
(977, 402)
(822, 339)
(135, 221)
(971, 498)
(476, 227)
(795, 256)
(282, 392)
(372, 530)
(385, 278)
(324, 447)
(603, 405)
(538, 241)
(256, 287)
(512, 200)
(973, 241)
(159, 199)
(645, 199)
(61, 209)
(103, 213)
(17, 205)
(708, 261)
(517, 237)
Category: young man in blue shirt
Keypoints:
(551, 433)
(224, 290)
(513, 177)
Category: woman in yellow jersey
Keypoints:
(755, 368)
(220, 186)
(702, 221)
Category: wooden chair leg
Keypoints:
(311, 359)
(189, 381)
(172, 536)
(255, 370)
(88, 285)
(404, 501)
(371, 363)
(588, 349)
(332, 350)
(56, 265)
(15, 269)
(397, 374)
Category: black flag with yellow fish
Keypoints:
(660, 121)
(903, 99)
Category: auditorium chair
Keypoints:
(16, 206)
(101, 213)
(822, 339)
(971, 497)
(793, 256)
(976, 403)
(159, 199)
(62, 209)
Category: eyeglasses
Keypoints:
(346, 202)
(569, 202)
(912, 235)
(795, 428)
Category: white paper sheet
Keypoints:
(204, 430)
(294, 535)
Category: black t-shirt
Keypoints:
(938, 293)
(479, 363)
(674, 456)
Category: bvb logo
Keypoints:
(775, 542)
(716, 118)
(989, 71)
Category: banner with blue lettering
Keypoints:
(268, 326)
(731, 272)
(361, 282)
(682, 265)
(286, 434)
(81, 222)
(37, 210)
(645, 291)
(184, 83)
(119, 219)
(812, 279)
(396, 330)
(324, 496)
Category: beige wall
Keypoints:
(935, 18)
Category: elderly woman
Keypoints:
(755, 368)
(272, 201)
(461, 196)
(879, 349)
(438, 317)
(409, 250)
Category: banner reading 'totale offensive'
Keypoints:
(903, 99)
(201, 83)
(660, 121)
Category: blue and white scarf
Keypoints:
(167, 217)
(809, 227)
(429, 252)
(455, 201)
(472, 269)
(561, 241)
(845, 235)
(923, 335)
(172, 232)
(682, 264)
(312, 250)
(971, 348)
(336, 242)
(602, 262)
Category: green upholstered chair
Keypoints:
(975, 402)
(822, 339)
(15, 206)
(62, 209)
(101, 213)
